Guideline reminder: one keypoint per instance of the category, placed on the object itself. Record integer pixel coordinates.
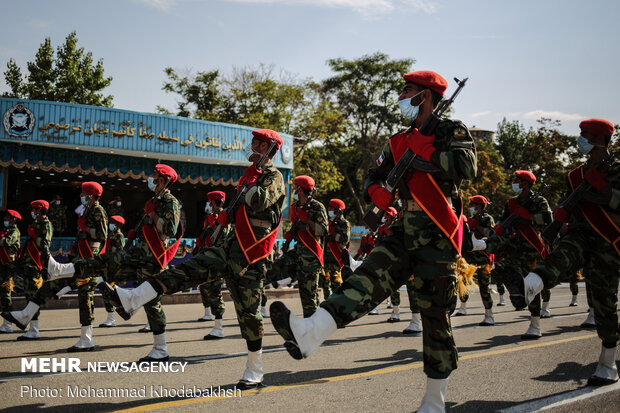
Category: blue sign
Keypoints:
(128, 133)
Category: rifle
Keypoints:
(410, 160)
(296, 226)
(240, 195)
(571, 203)
(509, 223)
(131, 235)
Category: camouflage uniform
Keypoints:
(115, 242)
(26, 267)
(114, 209)
(573, 279)
(516, 251)
(583, 247)
(301, 264)
(58, 216)
(415, 246)
(97, 222)
(9, 239)
(211, 291)
(411, 295)
(340, 229)
(244, 281)
(138, 262)
(481, 259)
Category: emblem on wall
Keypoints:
(287, 152)
(18, 121)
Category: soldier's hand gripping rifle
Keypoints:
(240, 195)
(571, 203)
(410, 160)
(511, 220)
(296, 226)
(132, 234)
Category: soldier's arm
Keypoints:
(269, 189)
(543, 215)
(344, 229)
(168, 222)
(319, 220)
(47, 232)
(459, 160)
(488, 223)
(98, 227)
(613, 179)
(378, 173)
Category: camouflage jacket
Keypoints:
(484, 229)
(116, 241)
(265, 200)
(211, 224)
(97, 223)
(316, 214)
(9, 239)
(457, 156)
(169, 212)
(44, 231)
(536, 205)
(339, 230)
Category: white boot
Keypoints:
(56, 270)
(7, 327)
(415, 327)
(533, 332)
(217, 332)
(573, 301)
(208, 316)
(395, 316)
(374, 311)
(589, 323)
(159, 352)
(544, 311)
(263, 312)
(132, 300)
(488, 318)
(85, 343)
(23, 317)
(435, 398)
(606, 370)
(501, 302)
(253, 374)
(533, 286)
(63, 291)
(285, 282)
(110, 322)
(462, 310)
(311, 332)
(32, 333)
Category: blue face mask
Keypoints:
(151, 183)
(83, 200)
(517, 188)
(295, 196)
(331, 214)
(407, 109)
(584, 146)
(7, 223)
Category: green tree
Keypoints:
(70, 77)
(200, 93)
(510, 142)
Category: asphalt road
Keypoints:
(368, 366)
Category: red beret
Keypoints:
(268, 135)
(166, 171)
(14, 214)
(304, 181)
(92, 188)
(118, 219)
(597, 127)
(526, 176)
(216, 196)
(479, 199)
(391, 211)
(337, 203)
(431, 80)
(40, 203)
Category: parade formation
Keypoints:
(422, 234)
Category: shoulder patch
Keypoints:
(460, 133)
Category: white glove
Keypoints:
(478, 244)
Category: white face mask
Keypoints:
(295, 196)
(472, 210)
(33, 215)
(208, 208)
(517, 188)
(248, 151)
(407, 109)
(151, 183)
(7, 223)
(112, 227)
(584, 146)
(331, 214)
(383, 220)
(118, 203)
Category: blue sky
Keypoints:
(525, 59)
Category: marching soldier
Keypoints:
(115, 242)
(90, 241)
(244, 256)
(592, 242)
(522, 251)
(425, 242)
(338, 234)
(115, 207)
(211, 291)
(29, 265)
(58, 215)
(9, 250)
(143, 261)
(306, 259)
(481, 224)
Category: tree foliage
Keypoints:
(71, 76)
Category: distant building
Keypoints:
(481, 134)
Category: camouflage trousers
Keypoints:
(417, 247)
(306, 269)
(573, 278)
(413, 298)
(211, 294)
(25, 268)
(6, 302)
(581, 247)
(108, 305)
(128, 265)
(483, 279)
(244, 282)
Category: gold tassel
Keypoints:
(10, 285)
(81, 281)
(38, 282)
(465, 276)
(337, 277)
